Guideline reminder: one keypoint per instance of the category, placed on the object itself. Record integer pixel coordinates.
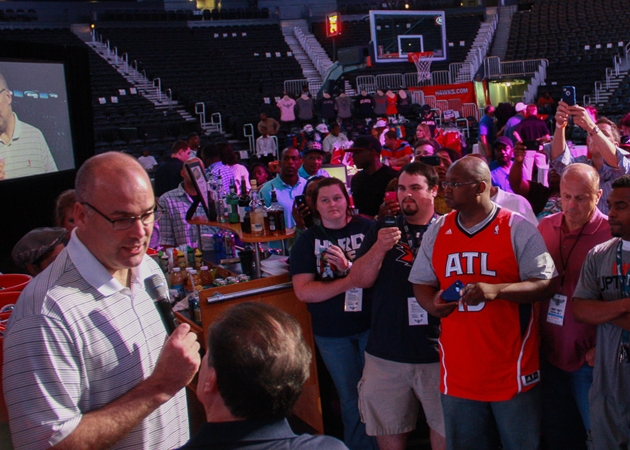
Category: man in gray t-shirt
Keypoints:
(602, 297)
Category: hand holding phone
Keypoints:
(453, 292)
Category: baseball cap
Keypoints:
(35, 244)
(520, 106)
(503, 140)
(380, 124)
(426, 108)
(322, 128)
(308, 128)
(312, 146)
(365, 143)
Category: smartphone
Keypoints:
(300, 200)
(530, 144)
(391, 196)
(568, 95)
(430, 160)
(389, 221)
(452, 294)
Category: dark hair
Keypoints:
(228, 156)
(327, 183)
(621, 182)
(260, 359)
(391, 134)
(259, 164)
(192, 134)
(208, 153)
(451, 153)
(66, 200)
(418, 168)
(179, 146)
(430, 142)
(313, 179)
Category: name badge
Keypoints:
(557, 307)
(354, 300)
(417, 314)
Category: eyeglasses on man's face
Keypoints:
(125, 223)
(450, 184)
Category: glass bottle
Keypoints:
(231, 202)
(275, 212)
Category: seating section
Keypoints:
(229, 68)
(560, 31)
(18, 15)
(352, 7)
(156, 15)
(459, 28)
(116, 125)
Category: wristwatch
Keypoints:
(594, 131)
(347, 271)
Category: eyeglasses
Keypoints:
(449, 184)
(127, 222)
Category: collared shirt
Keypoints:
(26, 154)
(320, 173)
(76, 341)
(174, 229)
(285, 194)
(266, 146)
(565, 345)
(257, 435)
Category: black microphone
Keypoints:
(158, 291)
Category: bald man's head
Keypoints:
(105, 169)
(580, 193)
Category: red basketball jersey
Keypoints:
(488, 352)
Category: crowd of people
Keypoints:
(468, 289)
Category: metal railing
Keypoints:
(390, 81)
(295, 86)
(366, 83)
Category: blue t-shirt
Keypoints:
(501, 178)
(329, 318)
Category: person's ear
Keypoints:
(210, 384)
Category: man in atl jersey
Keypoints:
(489, 331)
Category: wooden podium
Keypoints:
(276, 291)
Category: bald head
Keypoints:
(580, 174)
(106, 170)
(473, 168)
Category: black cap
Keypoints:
(365, 143)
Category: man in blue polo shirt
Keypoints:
(288, 184)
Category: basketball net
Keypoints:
(423, 61)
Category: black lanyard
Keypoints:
(414, 239)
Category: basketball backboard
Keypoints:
(396, 33)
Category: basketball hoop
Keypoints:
(423, 61)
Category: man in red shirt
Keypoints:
(489, 333)
(396, 152)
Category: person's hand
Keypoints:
(388, 208)
(2, 174)
(178, 361)
(590, 357)
(475, 293)
(562, 114)
(519, 152)
(582, 118)
(299, 213)
(336, 257)
(440, 307)
(387, 238)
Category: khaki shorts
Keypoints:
(390, 394)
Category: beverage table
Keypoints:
(245, 237)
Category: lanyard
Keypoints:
(624, 282)
(414, 239)
(562, 260)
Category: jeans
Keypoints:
(532, 157)
(470, 424)
(565, 406)
(344, 359)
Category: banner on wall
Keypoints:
(463, 91)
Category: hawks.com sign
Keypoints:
(464, 91)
